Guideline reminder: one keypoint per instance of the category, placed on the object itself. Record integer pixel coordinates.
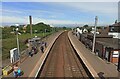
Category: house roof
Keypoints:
(109, 42)
(106, 40)
(116, 24)
(100, 36)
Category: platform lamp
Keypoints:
(17, 25)
(93, 47)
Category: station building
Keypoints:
(107, 45)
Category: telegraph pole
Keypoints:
(96, 20)
(30, 18)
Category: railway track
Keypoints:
(63, 61)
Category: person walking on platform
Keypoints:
(30, 53)
(42, 49)
(19, 72)
(15, 70)
(45, 44)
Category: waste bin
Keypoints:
(6, 70)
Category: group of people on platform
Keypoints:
(34, 49)
(17, 71)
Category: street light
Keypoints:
(18, 42)
(96, 20)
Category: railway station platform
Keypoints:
(30, 65)
(96, 66)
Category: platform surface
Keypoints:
(95, 63)
(28, 65)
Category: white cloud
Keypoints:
(103, 8)
(43, 11)
(60, 1)
(38, 12)
(52, 21)
(9, 11)
(96, 8)
(51, 14)
(13, 19)
(25, 20)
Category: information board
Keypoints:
(14, 55)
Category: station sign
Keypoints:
(14, 55)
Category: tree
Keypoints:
(85, 26)
(115, 21)
(64, 28)
(13, 26)
(40, 27)
(99, 27)
(6, 32)
(89, 29)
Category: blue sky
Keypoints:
(59, 12)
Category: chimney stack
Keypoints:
(30, 18)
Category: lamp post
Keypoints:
(18, 42)
(96, 20)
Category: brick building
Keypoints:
(107, 43)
